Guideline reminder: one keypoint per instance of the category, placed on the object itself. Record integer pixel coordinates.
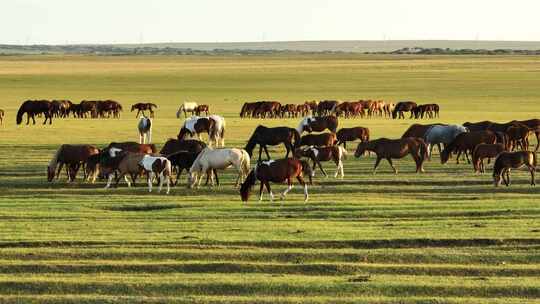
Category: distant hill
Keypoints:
(244, 48)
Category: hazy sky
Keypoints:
(134, 21)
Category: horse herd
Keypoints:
(346, 109)
(507, 142)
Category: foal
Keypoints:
(395, 148)
(145, 130)
(513, 160)
(276, 171)
(485, 151)
(159, 166)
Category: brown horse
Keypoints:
(132, 146)
(35, 107)
(264, 136)
(395, 148)
(318, 154)
(276, 171)
(144, 106)
(318, 124)
(326, 107)
(404, 106)
(518, 135)
(203, 108)
(175, 145)
(124, 163)
(483, 151)
(73, 156)
(351, 134)
(533, 124)
(426, 110)
(513, 160)
(318, 140)
(466, 142)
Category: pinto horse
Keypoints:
(276, 171)
(144, 106)
(159, 166)
(513, 160)
(404, 106)
(318, 154)
(145, 130)
(318, 124)
(73, 156)
(350, 134)
(195, 126)
(34, 107)
(264, 136)
(395, 148)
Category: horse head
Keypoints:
(361, 149)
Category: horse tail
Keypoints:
(222, 133)
(20, 113)
(424, 150)
(533, 159)
(245, 188)
(245, 162)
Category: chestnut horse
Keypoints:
(350, 134)
(34, 107)
(466, 142)
(318, 140)
(318, 154)
(144, 106)
(73, 156)
(264, 136)
(318, 124)
(404, 106)
(132, 146)
(485, 151)
(276, 171)
(513, 160)
(200, 109)
(395, 148)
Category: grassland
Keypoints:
(446, 236)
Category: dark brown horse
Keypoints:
(513, 160)
(318, 124)
(319, 154)
(175, 145)
(264, 136)
(395, 148)
(426, 110)
(144, 106)
(35, 107)
(404, 106)
(203, 108)
(73, 156)
(483, 151)
(518, 136)
(351, 134)
(318, 140)
(276, 171)
(466, 142)
(534, 125)
(326, 107)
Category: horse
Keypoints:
(196, 126)
(466, 142)
(351, 134)
(217, 134)
(264, 136)
(132, 146)
(73, 156)
(159, 166)
(533, 124)
(438, 134)
(200, 109)
(485, 151)
(318, 140)
(276, 171)
(428, 110)
(186, 107)
(145, 130)
(144, 106)
(513, 160)
(326, 107)
(318, 124)
(34, 107)
(318, 154)
(404, 106)
(175, 145)
(210, 159)
(395, 148)
(124, 162)
(388, 109)
(109, 107)
(518, 135)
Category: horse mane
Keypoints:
(21, 111)
(54, 161)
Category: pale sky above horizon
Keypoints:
(136, 21)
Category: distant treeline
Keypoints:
(150, 50)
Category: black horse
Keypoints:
(404, 106)
(264, 136)
(175, 145)
(33, 107)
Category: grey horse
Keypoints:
(442, 134)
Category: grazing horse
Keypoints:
(145, 130)
(318, 154)
(533, 124)
(73, 156)
(200, 109)
(144, 106)
(34, 107)
(276, 171)
(485, 151)
(186, 107)
(513, 160)
(518, 135)
(264, 136)
(318, 140)
(466, 142)
(124, 162)
(350, 134)
(183, 160)
(217, 134)
(437, 135)
(220, 159)
(395, 148)
(159, 166)
(404, 106)
(175, 145)
(318, 124)
(326, 107)
(196, 126)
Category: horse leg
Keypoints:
(109, 181)
(214, 171)
(266, 151)
(290, 186)
(303, 183)
(260, 152)
(261, 191)
(59, 170)
(267, 184)
(389, 159)
(457, 157)
(161, 178)
(532, 169)
(467, 157)
(377, 164)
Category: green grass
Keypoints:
(447, 236)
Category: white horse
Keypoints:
(159, 166)
(186, 107)
(218, 132)
(145, 130)
(210, 159)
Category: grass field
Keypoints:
(447, 236)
